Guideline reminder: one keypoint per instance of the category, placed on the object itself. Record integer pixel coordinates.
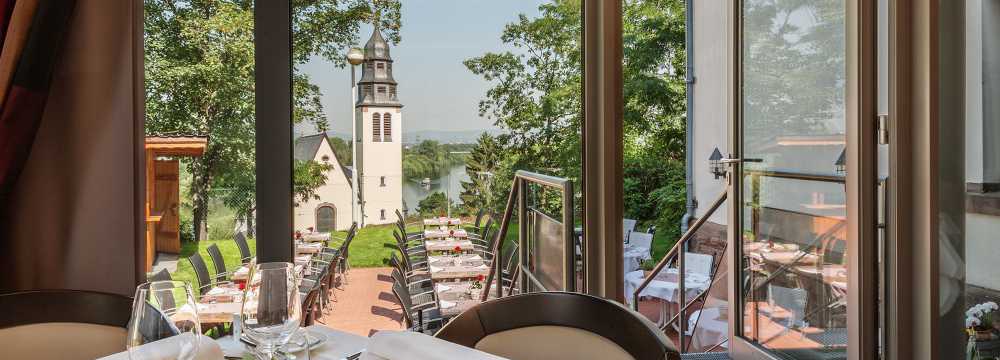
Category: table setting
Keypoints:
(457, 267)
(445, 234)
(448, 246)
(442, 221)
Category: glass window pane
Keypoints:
(794, 207)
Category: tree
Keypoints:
(309, 176)
(436, 203)
(536, 97)
(199, 58)
(429, 159)
(481, 165)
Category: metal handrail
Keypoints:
(518, 193)
(689, 234)
(680, 264)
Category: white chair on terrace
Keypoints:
(628, 225)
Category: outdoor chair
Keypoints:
(344, 252)
(200, 272)
(643, 241)
(628, 226)
(558, 325)
(221, 273)
(311, 310)
(410, 249)
(425, 317)
(84, 324)
(406, 271)
(410, 236)
(241, 243)
(162, 275)
(479, 221)
(415, 285)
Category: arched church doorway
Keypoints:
(326, 218)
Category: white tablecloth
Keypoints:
(338, 344)
(663, 289)
(632, 257)
(707, 328)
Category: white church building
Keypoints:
(332, 211)
(379, 151)
(379, 117)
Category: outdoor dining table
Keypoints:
(664, 287)
(445, 234)
(447, 245)
(457, 267)
(454, 298)
(316, 237)
(308, 247)
(633, 256)
(243, 272)
(442, 221)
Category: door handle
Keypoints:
(738, 160)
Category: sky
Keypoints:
(437, 91)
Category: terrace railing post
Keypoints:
(522, 233)
(681, 324)
(569, 272)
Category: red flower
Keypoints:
(298, 234)
(458, 249)
(480, 277)
(451, 232)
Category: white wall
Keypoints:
(378, 159)
(337, 192)
(711, 52)
(974, 92)
(982, 250)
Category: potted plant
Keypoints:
(476, 286)
(979, 324)
(647, 266)
(457, 250)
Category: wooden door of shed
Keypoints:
(167, 204)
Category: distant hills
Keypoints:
(441, 136)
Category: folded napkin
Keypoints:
(216, 291)
(483, 266)
(445, 304)
(171, 348)
(475, 257)
(443, 287)
(405, 345)
(435, 269)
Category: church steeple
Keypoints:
(377, 87)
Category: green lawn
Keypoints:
(230, 254)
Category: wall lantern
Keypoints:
(715, 165)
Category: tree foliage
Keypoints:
(430, 159)
(308, 177)
(480, 192)
(536, 92)
(433, 205)
(199, 79)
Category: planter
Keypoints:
(988, 348)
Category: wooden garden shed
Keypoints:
(163, 190)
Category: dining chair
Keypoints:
(200, 272)
(162, 275)
(84, 324)
(221, 273)
(425, 317)
(643, 241)
(541, 325)
(241, 243)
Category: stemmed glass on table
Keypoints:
(164, 312)
(271, 310)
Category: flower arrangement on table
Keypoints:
(457, 250)
(980, 326)
(451, 233)
(478, 282)
(297, 234)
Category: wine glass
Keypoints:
(271, 311)
(164, 313)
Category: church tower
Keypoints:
(380, 152)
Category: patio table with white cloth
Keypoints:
(448, 245)
(445, 234)
(443, 221)
(454, 298)
(664, 287)
(633, 256)
(308, 248)
(452, 267)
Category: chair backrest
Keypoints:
(200, 272)
(162, 275)
(310, 308)
(218, 261)
(792, 300)
(540, 325)
(628, 224)
(405, 301)
(399, 216)
(485, 230)
(641, 240)
(241, 243)
(85, 324)
(479, 218)
(695, 263)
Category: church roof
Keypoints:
(306, 147)
(377, 48)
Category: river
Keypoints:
(413, 191)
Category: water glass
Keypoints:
(271, 309)
(164, 321)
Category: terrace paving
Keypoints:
(365, 304)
